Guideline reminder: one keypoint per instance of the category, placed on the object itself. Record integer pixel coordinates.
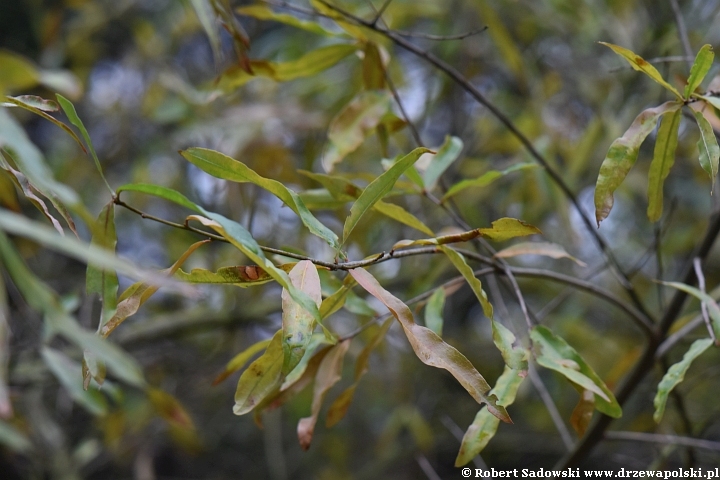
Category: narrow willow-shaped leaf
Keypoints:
(554, 353)
(260, 378)
(298, 323)
(708, 147)
(262, 12)
(222, 166)
(461, 265)
(162, 192)
(242, 276)
(328, 374)
(69, 375)
(501, 230)
(378, 188)
(448, 152)
(316, 341)
(663, 160)
(700, 68)
(434, 311)
(343, 189)
(712, 100)
(308, 65)
(353, 124)
(515, 357)
(340, 406)
(710, 303)
(373, 67)
(622, 155)
(72, 115)
(582, 413)
(240, 39)
(99, 281)
(486, 179)
(483, 428)
(676, 374)
(641, 65)
(239, 360)
(430, 348)
(39, 106)
(546, 249)
(206, 16)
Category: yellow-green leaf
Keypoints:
(239, 360)
(708, 147)
(485, 179)
(434, 311)
(222, 166)
(378, 188)
(641, 65)
(260, 378)
(700, 68)
(239, 275)
(554, 353)
(622, 155)
(448, 152)
(663, 160)
(353, 124)
(515, 356)
(263, 12)
(710, 303)
(461, 265)
(430, 349)
(676, 374)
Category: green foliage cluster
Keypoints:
(352, 168)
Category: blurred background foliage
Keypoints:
(148, 81)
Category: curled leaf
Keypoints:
(641, 65)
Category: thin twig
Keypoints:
(380, 11)
(678, 336)
(550, 406)
(697, 266)
(664, 439)
(682, 32)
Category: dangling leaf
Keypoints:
(583, 412)
(515, 357)
(260, 378)
(641, 65)
(430, 348)
(222, 166)
(206, 15)
(708, 147)
(676, 374)
(378, 188)
(663, 160)
(239, 360)
(99, 281)
(622, 155)
(298, 323)
(353, 124)
(328, 374)
(554, 353)
(461, 265)
(434, 311)
(485, 425)
(486, 179)
(700, 68)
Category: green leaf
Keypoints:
(222, 166)
(297, 323)
(18, 73)
(242, 276)
(262, 12)
(377, 189)
(712, 306)
(446, 155)
(663, 160)
(69, 375)
(515, 357)
(260, 378)
(206, 15)
(708, 147)
(641, 65)
(434, 311)
(353, 124)
(485, 425)
(308, 65)
(461, 265)
(546, 249)
(622, 155)
(430, 348)
(501, 230)
(700, 68)
(554, 353)
(72, 115)
(676, 374)
(341, 404)
(100, 281)
(712, 100)
(328, 374)
(316, 340)
(161, 192)
(485, 179)
(239, 360)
